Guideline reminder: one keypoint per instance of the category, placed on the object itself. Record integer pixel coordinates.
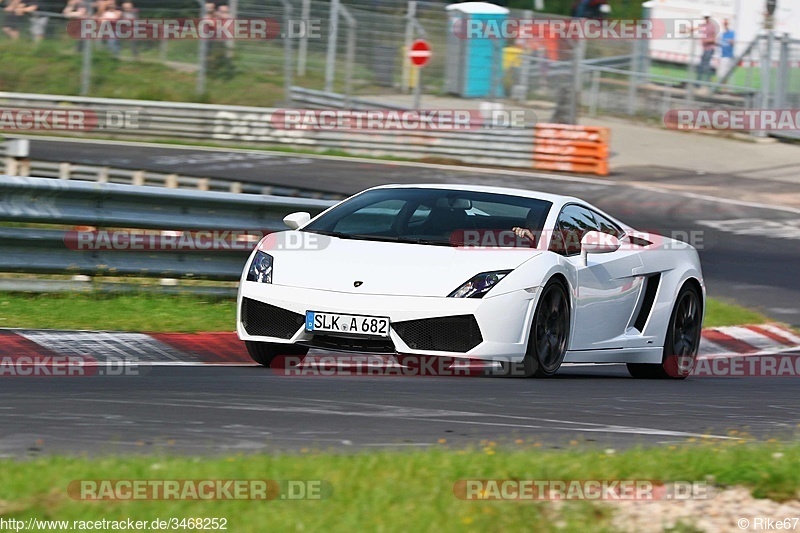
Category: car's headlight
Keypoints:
(479, 285)
(261, 268)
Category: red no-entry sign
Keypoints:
(420, 53)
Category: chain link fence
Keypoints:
(364, 54)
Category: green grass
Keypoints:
(721, 313)
(743, 77)
(54, 67)
(255, 77)
(396, 491)
(187, 313)
(129, 312)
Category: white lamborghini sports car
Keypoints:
(521, 278)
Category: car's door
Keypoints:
(608, 286)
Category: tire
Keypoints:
(264, 353)
(681, 342)
(547, 342)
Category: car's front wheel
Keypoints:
(547, 343)
(550, 333)
(682, 340)
(264, 353)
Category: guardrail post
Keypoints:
(138, 178)
(18, 161)
(236, 186)
(102, 175)
(203, 184)
(24, 168)
(171, 181)
(64, 171)
(11, 166)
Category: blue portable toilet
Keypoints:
(474, 66)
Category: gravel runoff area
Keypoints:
(732, 509)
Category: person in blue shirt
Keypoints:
(726, 50)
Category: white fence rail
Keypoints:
(512, 147)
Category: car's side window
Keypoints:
(573, 223)
(557, 241)
(606, 226)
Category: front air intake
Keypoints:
(264, 320)
(445, 334)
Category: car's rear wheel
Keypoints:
(547, 343)
(264, 353)
(682, 340)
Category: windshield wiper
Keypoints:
(409, 240)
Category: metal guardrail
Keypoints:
(108, 205)
(125, 176)
(511, 147)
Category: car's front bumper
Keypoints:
(503, 320)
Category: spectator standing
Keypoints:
(130, 13)
(14, 12)
(76, 9)
(38, 20)
(220, 61)
(726, 50)
(223, 13)
(110, 13)
(706, 31)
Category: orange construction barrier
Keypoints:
(569, 148)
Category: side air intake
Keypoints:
(650, 291)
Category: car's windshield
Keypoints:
(435, 216)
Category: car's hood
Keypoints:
(382, 267)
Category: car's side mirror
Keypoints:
(296, 220)
(596, 242)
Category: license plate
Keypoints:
(376, 326)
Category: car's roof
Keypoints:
(556, 199)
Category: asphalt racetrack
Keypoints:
(218, 410)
